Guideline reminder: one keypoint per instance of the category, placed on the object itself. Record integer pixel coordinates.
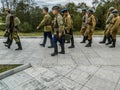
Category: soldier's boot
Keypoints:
(109, 41)
(55, 51)
(89, 43)
(19, 46)
(104, 40)
(113, 44)
(72, 43)
(67, 41)
(44, 42)
(51, 44)
(62, 49)
(9, 44)
(84, 40)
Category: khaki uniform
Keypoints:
(114, 27)
(109, 18)
(91, 23)
(14, 34)
(68, 23)
(46, 22)
(58, 24)
(84, 24)
(7, 21)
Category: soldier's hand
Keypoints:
(92, 30)
(37, 27)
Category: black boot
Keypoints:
(55, 51)
(62, 49)
(113, 44)
(72, 43)
(9, 44)
(109, 41)
(104, 40)
(51, 44)
(84, 40)
(89, 43)
(19, 46)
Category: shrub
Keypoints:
(26, 28)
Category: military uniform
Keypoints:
(58, 33)
(84, 25)
(13, 29)
(114, 27)
(109, 18)
(91, 23)
(7, 22)
(68, 23)
(46, 22)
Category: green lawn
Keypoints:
(100, 32)
(7, 67)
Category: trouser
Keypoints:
(83, 31)
(14, 35)
(72, 39)
(88, 34)
(49, 35)
(60, 40)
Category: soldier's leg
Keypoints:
(61, 40)
(17, 40)
(108, 36)
(55, 39)
(10, 40)
(44, 39)
(67, 41)
(83, 33)
(113, 41)
(104, 38)
(50, 37)
(89, 39)
(72, 39)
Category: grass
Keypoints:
(97, 32)
(4, 68)
(34, 34)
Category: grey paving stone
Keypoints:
(95, 68)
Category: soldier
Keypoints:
(46, 22)
(84, 25)
(58, 31)
(14, 22)
(109, 18)
(7, 22)
(91, 23)
(68, 25)
(114, 27)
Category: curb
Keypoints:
(13, 71)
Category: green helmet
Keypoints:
(56, 8)
(90, 10)
(84, 10)
(111, 8)
(115, 12)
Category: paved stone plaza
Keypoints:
(95, 68)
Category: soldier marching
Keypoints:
(62, 26)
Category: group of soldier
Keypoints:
(61, 27)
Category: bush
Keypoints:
(26, 28)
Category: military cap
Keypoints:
(111, 8)
(90, 10)
(7, 9)
(84, 10)
(56, 8)
(64, 10)
(115, 11)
